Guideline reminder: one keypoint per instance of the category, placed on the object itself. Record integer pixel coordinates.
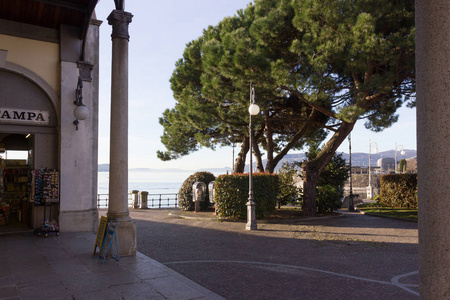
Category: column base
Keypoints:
(126, 237)
(251, 217)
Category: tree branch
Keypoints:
(313, 105)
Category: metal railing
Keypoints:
(103, 200)
(153, 200)
(162, 200)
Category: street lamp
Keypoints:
(350, 200)
(370, 188)
(402, 153)
(232, 165)
(81, 112)
(253, 109)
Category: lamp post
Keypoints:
(402, 153)
(232, 165)
(350, 200)
(369, 188)
(251, 214)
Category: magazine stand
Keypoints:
(110, 242)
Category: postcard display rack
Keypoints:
(45, 192)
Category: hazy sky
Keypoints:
(159, 33)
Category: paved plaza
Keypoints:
(352, 256)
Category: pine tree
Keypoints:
(316, 64)
(358, 58)
(211, 86)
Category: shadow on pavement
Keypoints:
(351, 257)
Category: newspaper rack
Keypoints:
(109, 242)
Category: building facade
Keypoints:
(48, 59)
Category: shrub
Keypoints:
(328, 198)
(289, 193)
(399, 190)
(185, 193)
(232, 195)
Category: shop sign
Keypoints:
(24, 116)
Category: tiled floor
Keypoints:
(63, 267)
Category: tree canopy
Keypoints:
(316, 64)
(211, 86)
(360, 55)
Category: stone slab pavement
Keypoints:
(63, 267)
(352, 256)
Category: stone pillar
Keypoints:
(135, 198)
(144, 199)
(118, 174)
(433, 144)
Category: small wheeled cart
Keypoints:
(48, 225)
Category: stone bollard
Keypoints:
(135, 198)
(144, 199)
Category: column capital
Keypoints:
(119, 20)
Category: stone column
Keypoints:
(144, 199)
(433, 144)
(135, 198)
(118, 174)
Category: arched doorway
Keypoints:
(29, 130)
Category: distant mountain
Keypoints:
(103, 167)
(362, 159)
(224, 170)
(358, 159)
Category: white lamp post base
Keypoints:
(251, 218)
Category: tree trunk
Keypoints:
(239, 164)
(269, 142)
(310, 179)
(312, 169)
(259, 164)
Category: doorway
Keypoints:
(16, 160)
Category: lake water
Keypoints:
(154, 182)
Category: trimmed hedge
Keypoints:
(185, 193)
(232, 195)
(399, 190)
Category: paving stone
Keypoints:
(8, 292)
(97, 295)
(138, 291)
(348, 257)
(51, 290)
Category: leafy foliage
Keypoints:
(399, 190)
(185, 193)
(328, 198)
(232, 195)
(315, 64)
(289, 193)
(356, 61)
(211, 86)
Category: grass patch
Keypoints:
(396, 212)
